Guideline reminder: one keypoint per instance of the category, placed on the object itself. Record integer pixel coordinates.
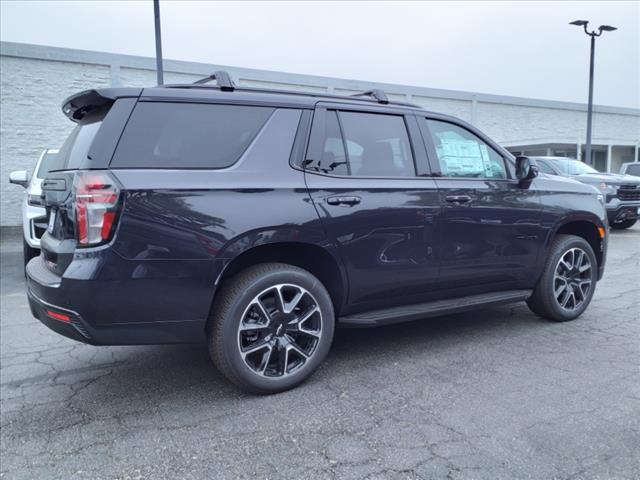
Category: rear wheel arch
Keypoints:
(313, 258)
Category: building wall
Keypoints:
(35, 79)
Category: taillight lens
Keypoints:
(96, 204)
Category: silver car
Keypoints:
(34, 222)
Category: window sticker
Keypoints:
(460, 157)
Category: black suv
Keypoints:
(260, 220)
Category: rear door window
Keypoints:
(188, 135)
(364, 145)
(377, 145)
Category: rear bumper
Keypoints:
(69, 307)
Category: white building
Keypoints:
(35, 79)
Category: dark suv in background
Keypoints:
(621, 192)
(260, 220)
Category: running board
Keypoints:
(405, 313)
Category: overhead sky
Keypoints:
(508, 48)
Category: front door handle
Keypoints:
(340, 200)
(458, 199)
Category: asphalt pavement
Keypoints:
(491, 394)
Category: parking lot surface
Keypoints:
(496, 393)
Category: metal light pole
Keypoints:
(156, 14)
(593, 34)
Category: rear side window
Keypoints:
(73, 153)
(48, 160)
(188, 135)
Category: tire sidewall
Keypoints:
(573, 242)
(232, 320)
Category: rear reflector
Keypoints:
(59, 316)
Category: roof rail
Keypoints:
(222, 78)
(376, 94)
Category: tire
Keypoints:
(28, 252)
(545, 301)
(624, 224)
(284, 341)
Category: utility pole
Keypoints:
(156, 14)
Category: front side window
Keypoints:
(462, 154)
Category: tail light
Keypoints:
(96, 205)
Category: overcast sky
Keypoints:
(509, 48)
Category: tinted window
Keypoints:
(633, 170)
(377, 145)
(333, 157)
(73, 153)
(463, 154)
(181, 135)
(48, 160)
(545, 168)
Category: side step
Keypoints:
(405, 313)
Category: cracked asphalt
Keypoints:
(491, 394)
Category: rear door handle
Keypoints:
(347, 200)
(459, 199)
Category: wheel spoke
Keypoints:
(295, 348)
(263, 310)
(283, 359)
(279, 299)
(265, 360)
(562, 288)
(290, 306)
(254, 347)
(577, 258)
(585, 267)
(249, 327)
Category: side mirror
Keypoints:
(526, 169)
(19, 177)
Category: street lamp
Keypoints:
(593, 34)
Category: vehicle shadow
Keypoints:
(184, 374)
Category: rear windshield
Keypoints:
(48, 159)
(188, 135)
(73, 153)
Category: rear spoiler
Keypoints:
(81, 107)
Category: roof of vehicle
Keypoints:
(79, 105)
